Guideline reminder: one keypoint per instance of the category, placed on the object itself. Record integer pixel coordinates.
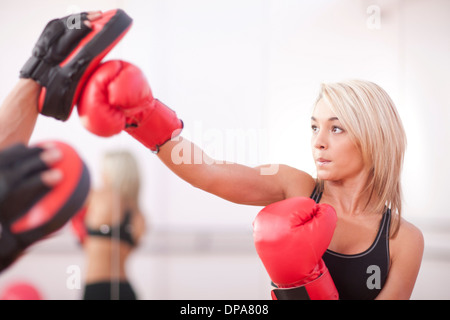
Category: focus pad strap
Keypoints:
(322, 288)
(298, 293)
(20, 169)
(58, 39)
(66, 35)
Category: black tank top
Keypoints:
(122, 232)
(360, 276)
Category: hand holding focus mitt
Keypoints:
(66, 53)
(29, 209)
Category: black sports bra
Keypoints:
(360, 276)
(122, 232)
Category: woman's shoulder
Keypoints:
(408, 231)
(296, 182)
(409, 239)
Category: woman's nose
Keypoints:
(319, 141)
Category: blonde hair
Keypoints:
(122, 173)
(373, 123)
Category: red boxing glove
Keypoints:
(291, 237)
(117, 97)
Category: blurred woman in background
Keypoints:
(114, 225)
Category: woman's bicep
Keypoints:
(243, 185)
(260, 185)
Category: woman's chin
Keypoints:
(324, 176)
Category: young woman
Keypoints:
(114, 225)
(358, 143)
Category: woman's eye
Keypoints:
(336, 130)
(314, 128)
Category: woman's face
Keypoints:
(336, 156)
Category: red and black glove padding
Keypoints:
(29, 209)
(66, 53)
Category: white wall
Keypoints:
(252, 69)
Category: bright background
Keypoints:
(243, 76)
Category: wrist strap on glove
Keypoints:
(322, 288)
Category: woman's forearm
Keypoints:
(231, 181)
(187, 160)
(18, 113)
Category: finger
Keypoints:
(25, 169)
(94, 15)
(51, 177)
(88, 24)
(91, 16)
(15, 153)
(51, 155)
(23, 197)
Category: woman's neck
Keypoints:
(350, 196)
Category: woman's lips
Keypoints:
(322, 162)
